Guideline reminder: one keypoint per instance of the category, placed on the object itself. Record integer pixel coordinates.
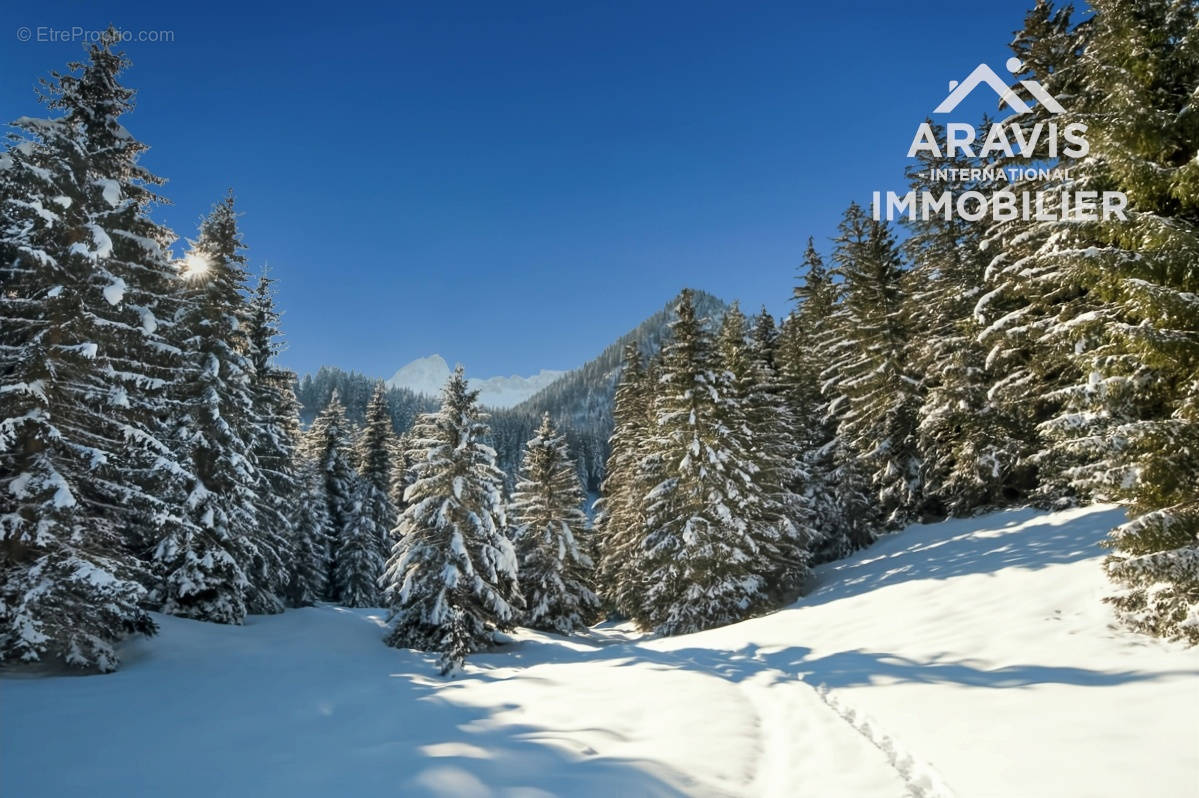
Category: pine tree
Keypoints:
(86, 477)
(970, 447)
(308, 579)
(207, 566)
(327, 444)
(451, 581)
(374, 444)
(367, 534)
(836, 492)
(876, 394)
(789, 477)
(1128, 423)
(274, 437)
(401, 478)
(1027, 297)
(359, 557)
(375, 451)
(704, 566)
(780, 518)
(550, 535)
(619, 520)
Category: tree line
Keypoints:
(508, 427)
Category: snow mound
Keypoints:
(969, 658)
(428, 375)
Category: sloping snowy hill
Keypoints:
(968, 658)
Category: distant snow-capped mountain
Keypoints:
(428, 375)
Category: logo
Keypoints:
(984, 74)
(964, 160)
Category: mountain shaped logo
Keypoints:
(984, 74)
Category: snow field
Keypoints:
(967, 658)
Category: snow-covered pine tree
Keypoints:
(763, 337)
(876, 395)
(970, 447)
(581, 468)
(365, 541)
(788, 471)
(401, 478)
(836, 491)
(274, 437)
(359, 557)
(703, 565)
(1129, 424)
(375, 450)
(451, 581)
(309, 522)
(208, 566)
(619, 519)
(84, 471)
(328, 444)
(780, 519)
(1027, 296)
(550, 534)
(375, 442)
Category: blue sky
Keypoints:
(514, 184)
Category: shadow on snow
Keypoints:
(958, 548)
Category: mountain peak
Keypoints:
(428, 375)
(425, 375)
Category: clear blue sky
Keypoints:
(515, 184)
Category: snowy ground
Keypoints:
(968, 658)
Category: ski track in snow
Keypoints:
(790, 739)
(798, 743)
(922, 779)
(801, 731)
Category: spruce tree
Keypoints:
(836, 492)
(1028, 299)
(619, 520)
(401, 478)
(971, 448)
(549, 529)
(451, 581)
(309, 573)
(365, 540)
(1128, 424)
(375, 451)
(86, 476)
(327, 444)
(789, 476)
(274, 438)
(207, 566)
(704, 566)
(781, 518)
(359, 556)
(374, 445)
(876, 394)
